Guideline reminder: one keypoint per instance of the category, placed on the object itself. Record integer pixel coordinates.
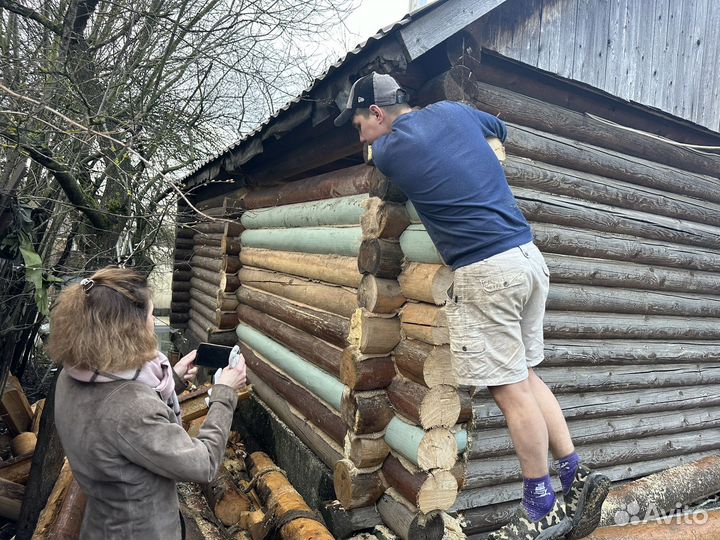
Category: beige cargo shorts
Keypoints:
(495, 311)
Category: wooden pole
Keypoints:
(335, 299)
(309, 347)
(282, 500)
(54, 502)
(325, 212)
(327, 326)
(15, 408)
(426, 282)
(322, 240)
(380, 295)
(425, 364)
(427, 491)
(355, 487)
(429, 408)
(380, 257)
(335, 269)
(363, 372)
(224, 498)
(383, 219)
(342, 182)
(314, 379)
(70, 516)
(373, 334)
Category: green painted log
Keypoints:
(417, 246)
(328, 240)
(339, 211)
(436, 448)
(326, 387)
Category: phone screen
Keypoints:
(212, 356)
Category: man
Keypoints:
(440, 158)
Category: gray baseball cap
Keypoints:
(374, 89)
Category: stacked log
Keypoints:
(204, 293)
(633, 310)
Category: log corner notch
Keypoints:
(357, 488)
(366, 412)
(373, 334)
(383, 219)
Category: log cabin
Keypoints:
(322, 270)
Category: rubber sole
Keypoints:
(588, 513)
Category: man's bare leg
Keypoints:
(526, 422)
(561, 444)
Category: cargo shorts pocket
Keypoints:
(465, 337)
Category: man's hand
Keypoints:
(185, 368)
(234, 377)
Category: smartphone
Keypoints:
(212, 356)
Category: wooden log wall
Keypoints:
(632, 316)
(206, 268)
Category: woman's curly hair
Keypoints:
(102, 325)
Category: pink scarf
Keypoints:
(157, 374)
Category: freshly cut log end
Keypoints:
(380, 295)
(23, 444)
(426, 282)
(425, 364)
(438, 492)
(437, 450)
(356, 488)
(404, 519)
(380, 257)
(440, 407)
(373, 335)
(497, 147)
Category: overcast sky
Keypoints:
(372, 15)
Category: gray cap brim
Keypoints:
(343, 117)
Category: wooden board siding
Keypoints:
(658, 53)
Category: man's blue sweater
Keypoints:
(439, 157)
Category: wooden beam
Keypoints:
(327, 326)
(326, 212)
(307, 346)
(342, 182)
(373, 334)
(433, 449)
(379, 295)
(333, 298)
(429, 408)
(366, 450)
(311, 377)
(425, 364)
(426, 282)
(359, 371)
(356, 488)
(224, 498)
(335, 269)
(70, 515)
(323, 240)
(16, 469)
(344, 523)
(279, 495)
(383, 219)
(381, 257)
(366, 412)
(14, 407)
(11, 496)
(426, 491)
(404, 519)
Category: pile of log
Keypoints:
(206, 264)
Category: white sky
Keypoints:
(372, 15)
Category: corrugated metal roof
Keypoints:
(380, 35)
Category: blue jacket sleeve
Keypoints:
(491, 125)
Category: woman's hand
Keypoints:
(185, 368)
(234, 377)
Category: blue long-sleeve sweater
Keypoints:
(439, 157)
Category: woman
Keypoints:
(117, 413)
